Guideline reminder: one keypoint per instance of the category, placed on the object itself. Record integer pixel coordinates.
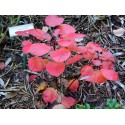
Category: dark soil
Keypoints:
(21, 92)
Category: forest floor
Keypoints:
(17, 93)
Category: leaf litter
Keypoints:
(19, 93)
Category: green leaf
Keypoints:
(117, 106)
(80, 106)
(87, 106)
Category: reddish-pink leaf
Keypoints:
(79, 35)
(26, 42)
(2, 65)
(50, 95)
(73, 46)
(110, 74)
(32, 78)
(56, 32)
(96, 62)
(26, 49)
(39, 49)
(107, 65)
(35, 64)
(74, 59)
(39, 34)
(53, 20)
(60, 55)
(87, 70)
(107, 56)
(36, 33)
(97, 77)
(64, 43)
(93, 47)
(66, 29)
(73, 36)
(46, 36)
(82, 49)
(23, 33)
(88, 55)
(55, 68)
(73, 85)
(68, 102)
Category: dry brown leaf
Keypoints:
(10, 95)
(41, 87)
(40, 104)
(119, 32)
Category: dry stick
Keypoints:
(11, 89)
(26, 85)
(109, 90)
(80, 23)
(12, 49)
(94, 87)
(2, 39)
(6, 83)
(10, 70)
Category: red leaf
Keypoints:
(87, 70)
(79, 35)
(60, 55)
(36, 33)
(53, 20)
(107, 56)
(96, 77)
(72, 36)
(23, 33)
(26, 49)
(64, 43)
(73, 85)
(86, 53)
(96, 62)
(68, 102)
(45, 61)
(73, 46)
(39, 34)
(32, 77)
(107, 65)
(81, 49)
(26, 42)
(55, 68)
(56, 32)
(2, 65)
(93, 47)
(35, 64)
(49, 95)
(66, 29)
(74, 59)
(110, 74)
(46, 36)
(39, 49)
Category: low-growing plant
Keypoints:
(86, 106)
(112, 104)
(59, 49)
